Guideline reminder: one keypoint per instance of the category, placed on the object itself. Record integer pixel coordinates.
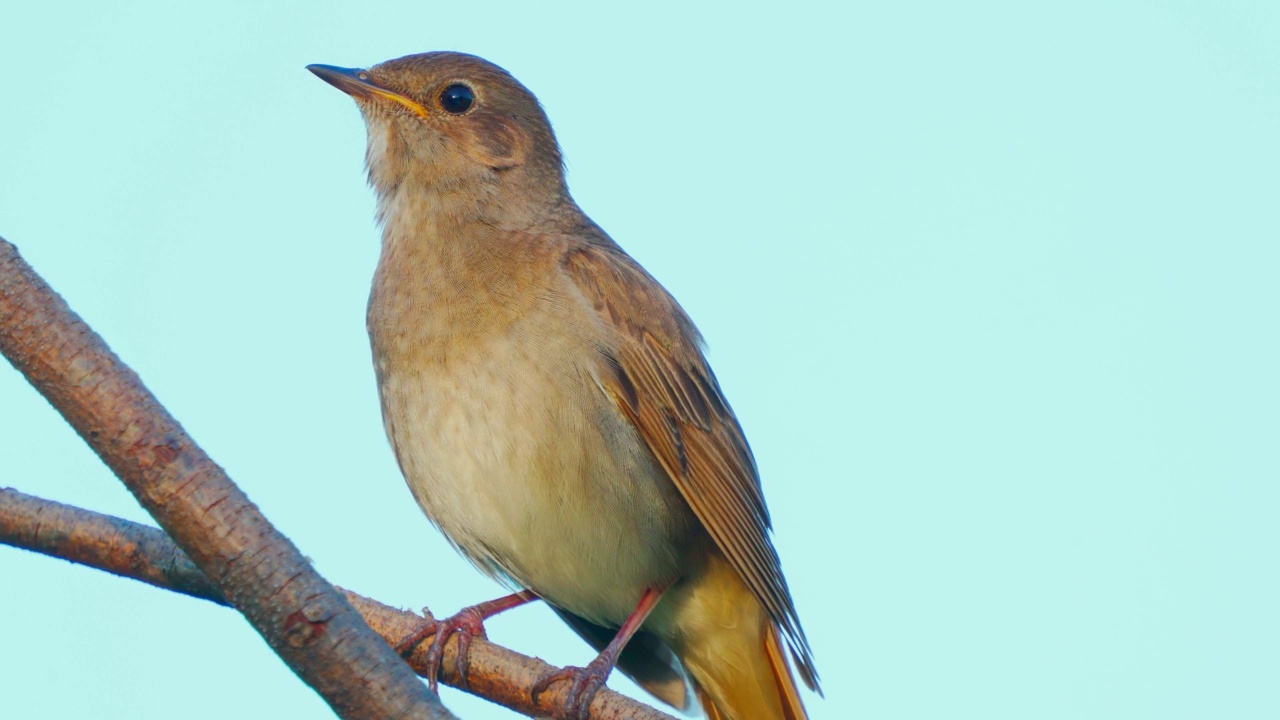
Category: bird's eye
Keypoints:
(457, 99)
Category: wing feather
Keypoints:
(664, 386)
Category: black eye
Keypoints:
(457, 98)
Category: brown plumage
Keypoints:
(550, 404)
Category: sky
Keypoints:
(991, 287)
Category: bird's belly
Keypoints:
(532, 473)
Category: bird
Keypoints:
(552, 409)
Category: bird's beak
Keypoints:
(356, 83)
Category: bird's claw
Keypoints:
(468, 623)
(587, 681)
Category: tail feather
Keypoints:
(792, 708)
(732, 650)
(708, 705)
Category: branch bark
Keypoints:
(145, 553)
(304, 619)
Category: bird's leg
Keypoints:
(467, 624)
(588, 680)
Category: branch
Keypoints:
(145, 553)
(301, 616)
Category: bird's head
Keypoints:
(455, 126)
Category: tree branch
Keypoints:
(145, 553)
(303, 618)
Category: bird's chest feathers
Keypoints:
(471, 374)
(461, 423)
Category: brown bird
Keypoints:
(551, 408)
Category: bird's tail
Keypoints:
(733, 652)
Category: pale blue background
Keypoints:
(993, 290)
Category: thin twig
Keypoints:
(145, 553)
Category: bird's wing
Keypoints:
(660, 380)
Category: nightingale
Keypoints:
(551, 408)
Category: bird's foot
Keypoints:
(467, 624)
(587, 681)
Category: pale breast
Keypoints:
(513, 450)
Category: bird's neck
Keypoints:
(441, 250)
(432, 241)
